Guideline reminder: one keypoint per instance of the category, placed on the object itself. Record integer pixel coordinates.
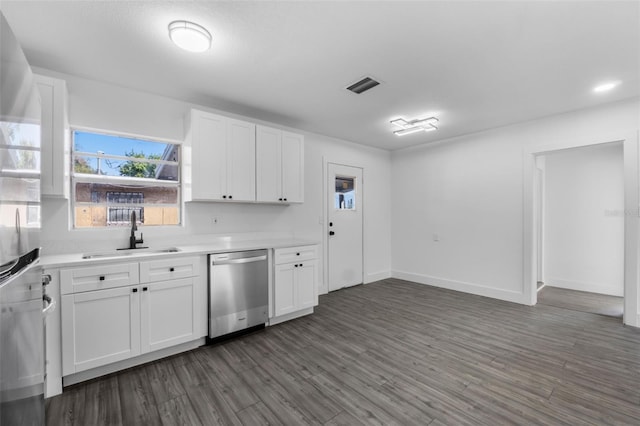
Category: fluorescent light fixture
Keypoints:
(605, 87)
(413, 126)
(189, 36)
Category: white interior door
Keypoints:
(344, 225)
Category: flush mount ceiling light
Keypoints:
(190, 36)
(605, 87)
(417, 125)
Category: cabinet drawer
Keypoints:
(98, 277)
(168, 269)
(294, 254)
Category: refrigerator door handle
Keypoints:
(51, 305)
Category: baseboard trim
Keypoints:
(582, 286)
(377, 276)
(465, 287)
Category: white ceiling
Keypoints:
(476, 65)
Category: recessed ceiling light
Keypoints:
(605, 87)
(190, 36)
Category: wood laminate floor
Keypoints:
(387, 353)
(582, 301)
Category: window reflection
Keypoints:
(20, 148)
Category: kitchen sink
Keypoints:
(129, 252)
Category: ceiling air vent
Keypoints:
(363, 85)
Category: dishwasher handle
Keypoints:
(241, 260)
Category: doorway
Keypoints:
(630, 216)
(344, 226)
(581, 228)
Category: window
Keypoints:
(114, 176)
(345, 194)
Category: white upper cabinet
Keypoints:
(268, 164)
(55, 137)
(241, 160)
(223, 158)
(292, 167)
(279, 166)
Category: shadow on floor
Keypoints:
(582, 301)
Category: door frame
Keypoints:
(531, 200)
(540, 194)
(325, 219)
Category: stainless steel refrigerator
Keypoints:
(22, 299)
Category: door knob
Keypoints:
(332, 233)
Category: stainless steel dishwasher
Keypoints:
(238, 291)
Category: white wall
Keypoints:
(469, 191)
(584, 221)
(108, 107)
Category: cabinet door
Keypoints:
(54, 137)
(209, 156)
(99, 327)
(292, 167)
(268, 164)
(168, 314)
(241, 161)
(306, 284)
(284, 289)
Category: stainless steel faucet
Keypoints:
(133, 241)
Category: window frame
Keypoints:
(75, 178)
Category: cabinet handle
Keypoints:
(301, 265)
(224, 196)
(279, 199)
(230, 196)
(134, 290)
(285, 199)
(297, 254)
(144, 288)
(172, 269)
(101, 277)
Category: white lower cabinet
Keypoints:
(105, 326)
(284, 295)
(99, 327)
(307, 296)
(168, 314)
(295, 282)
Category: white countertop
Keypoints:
(219, 246)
